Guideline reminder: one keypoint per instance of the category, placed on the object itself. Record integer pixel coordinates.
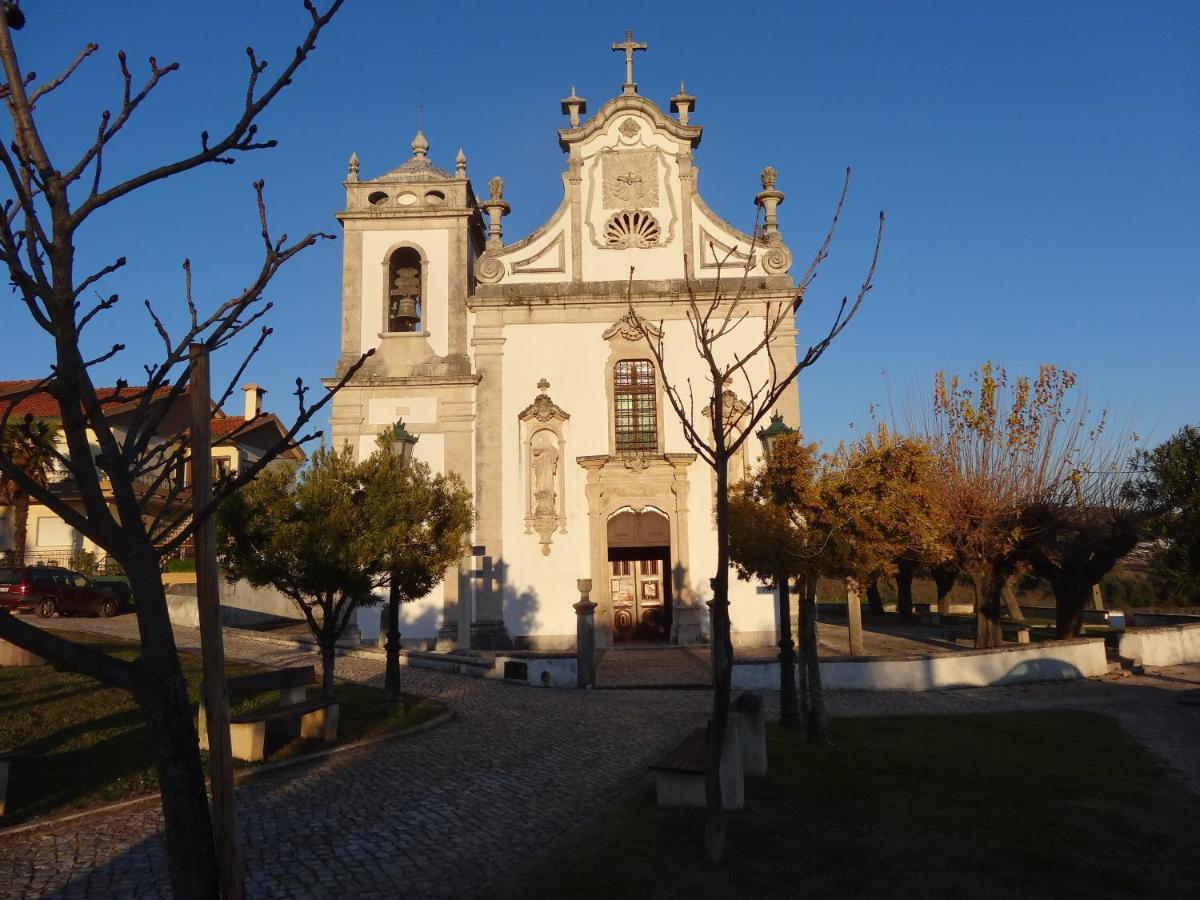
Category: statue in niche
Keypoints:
(543, 451)
(544, 441)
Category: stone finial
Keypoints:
(572, 106)
(769, 199)
(543, 385)
(420, 146)
(683, 103)
(460, 164)
(352, 175)
(495, 207)
(629, 46)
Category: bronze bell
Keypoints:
(404, 313)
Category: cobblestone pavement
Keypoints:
(443, 812)
(651, 666)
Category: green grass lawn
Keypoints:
(88, 745)
(1060, 804)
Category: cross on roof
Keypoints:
(629, 46)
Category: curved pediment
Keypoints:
(630, 202)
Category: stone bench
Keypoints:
(302, 717)
(752, 732)
(6, 758)
(679, 773)
(1018, 631)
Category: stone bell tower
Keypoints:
(411, 237)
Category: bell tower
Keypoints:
(411, 238)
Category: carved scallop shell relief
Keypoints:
(631, 229)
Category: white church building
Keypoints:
(517, 366)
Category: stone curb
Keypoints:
(245, 775)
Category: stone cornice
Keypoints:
(371, 381)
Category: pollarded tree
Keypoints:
(130, 501)
(881, 494)
(30, 445)
(1027, 475)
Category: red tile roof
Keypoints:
(43, 406)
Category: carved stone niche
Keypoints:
(543, 442)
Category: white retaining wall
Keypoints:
(1048, 661)
(1171, 645)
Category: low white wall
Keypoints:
(555, 671)
(1048, 661)
(1171, 645)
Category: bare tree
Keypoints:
(713, 319)
(128, 497)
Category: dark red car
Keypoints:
(50, 590)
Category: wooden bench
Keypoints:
(7, 757)
(302, 717)
(1018, 631)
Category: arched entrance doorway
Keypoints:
(639, 562)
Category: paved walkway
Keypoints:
(444, 812)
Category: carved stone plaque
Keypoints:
(630, 179)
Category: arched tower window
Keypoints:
(634, 401)
(404, 290)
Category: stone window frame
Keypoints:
(385, 275)
(623, 347)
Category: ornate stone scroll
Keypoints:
(544, 441)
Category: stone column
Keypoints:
(488, 631)
(585, 636)
(854, 617)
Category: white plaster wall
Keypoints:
(435, 243)
(1048, 661)
(414, 410)
(1173, 645)
(540, 590)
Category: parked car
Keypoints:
(50, 589)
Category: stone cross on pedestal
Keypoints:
(629, 46)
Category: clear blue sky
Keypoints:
(1037, 162)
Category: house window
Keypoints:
(404, 290)
(221, 467)
(634, 399)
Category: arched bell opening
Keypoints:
(404, 290)
(639, 562)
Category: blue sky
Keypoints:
(1037, 162)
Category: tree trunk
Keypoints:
(722, 668)
(20, 526)
(989, 588)
(789, 713)
(328, 658)
(905, 570)
(1011, 604)
(174, 746)
(1072, 594)
(814, 725)
(874, 599)
(391, 676)
(944, 577)
(803, 685)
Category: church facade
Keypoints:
(519, 368)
